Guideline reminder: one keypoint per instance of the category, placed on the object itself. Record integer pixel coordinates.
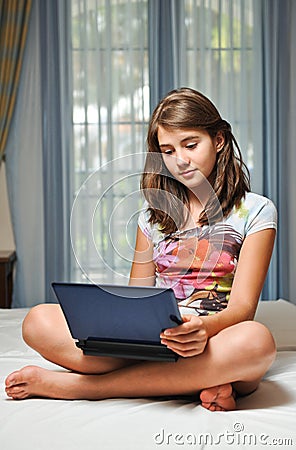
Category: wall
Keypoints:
(6, 233)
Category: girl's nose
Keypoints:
(183, 159)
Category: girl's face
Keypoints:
(189, 155)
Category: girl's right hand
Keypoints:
(188, 339)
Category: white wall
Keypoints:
(25, 176)
(6, 233)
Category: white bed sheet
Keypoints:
(265, 419)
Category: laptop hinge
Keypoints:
(130, 350)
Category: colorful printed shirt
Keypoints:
(199, 264)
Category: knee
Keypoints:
(258, 343)
(34, 325)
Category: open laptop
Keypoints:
(119, 321)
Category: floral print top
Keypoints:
(199, 264)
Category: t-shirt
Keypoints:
(199, 264)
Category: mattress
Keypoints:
(264, 419)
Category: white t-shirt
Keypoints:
(199, 264)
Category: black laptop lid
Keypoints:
(123, 313)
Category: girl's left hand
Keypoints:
(188, 339)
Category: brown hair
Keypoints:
(186, 108)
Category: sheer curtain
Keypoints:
(209, 45)
(221, 63)
(110, 114)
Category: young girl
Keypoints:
(204, 234)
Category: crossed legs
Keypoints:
(236, 357)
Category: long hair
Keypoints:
(183, 109)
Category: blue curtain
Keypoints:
(54, 18)
(277, 47)
(167, 51)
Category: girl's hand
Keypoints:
(188, 339)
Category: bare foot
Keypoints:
(33, 381)
(218, 398)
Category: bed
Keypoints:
(265, 419)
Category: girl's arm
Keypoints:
(143, 267)
(248, 282)
(190, 338)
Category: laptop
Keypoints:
(119, 321)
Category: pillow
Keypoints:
(280, 317)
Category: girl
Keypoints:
(204, 234)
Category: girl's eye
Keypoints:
(191, 145)
(168, 152)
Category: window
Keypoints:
(220, 62)
(110, 62)
(110, 114)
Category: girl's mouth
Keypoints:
(188, 173)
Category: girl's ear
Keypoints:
(219, 141)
